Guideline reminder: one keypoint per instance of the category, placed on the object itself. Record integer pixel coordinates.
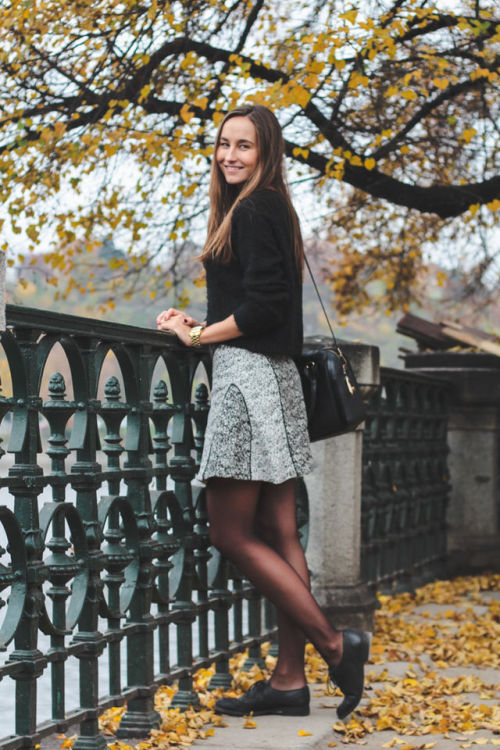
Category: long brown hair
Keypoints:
(269, 173)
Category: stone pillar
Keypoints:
(334, 490)
(2, 290)
(474, 442)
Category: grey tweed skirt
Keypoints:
(257, 425)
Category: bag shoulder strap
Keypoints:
(320, 300)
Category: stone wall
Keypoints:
(334, 490)
(474, 458)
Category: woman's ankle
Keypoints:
(287, 681)
(332, 653)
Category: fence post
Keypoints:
(24, 443)
(86, 483)
(141, 716)
(334, 489)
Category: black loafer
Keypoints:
(349, 675)
(262, 699)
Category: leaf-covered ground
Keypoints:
(434, 673)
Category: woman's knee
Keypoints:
(275, 534)
(231, 512)
(219, 537)
(226, 539)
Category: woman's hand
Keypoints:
(172, 312)
(179, 323)
(176, 324)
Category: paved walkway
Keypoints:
(456, 705)
(433, 681)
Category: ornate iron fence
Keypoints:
(106, 556)
(105, 544)
(405, 482)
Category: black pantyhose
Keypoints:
(253, 525)
(276, 526)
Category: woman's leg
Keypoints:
(232, 511)
(277, 527)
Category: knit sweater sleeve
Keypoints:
(256, 241)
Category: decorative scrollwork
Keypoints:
(121, 554)
(171, 534)
(12, 577)
(62, 567)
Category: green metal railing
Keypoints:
(405, 483)
(106, 556)
(106, 546)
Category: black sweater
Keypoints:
(260, 285)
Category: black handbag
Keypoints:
(331, 393)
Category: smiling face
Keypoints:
(237, 154)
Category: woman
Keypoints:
(256, 442)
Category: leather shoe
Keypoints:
(348, 675)
(262, 699)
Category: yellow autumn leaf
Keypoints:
(370, 163)
(115, 263)
(300, 96)
(68, 742)
(186, 114)
(304, 152)
(201, 102)
(304, 733)
(349, 15)
(468, 135)
(311, 81)
(494, 205)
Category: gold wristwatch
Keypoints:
(194, 335)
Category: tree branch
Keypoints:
(445, 201)
(427, 108)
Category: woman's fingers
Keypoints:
(172, 313)
(188, 320)
(165, 315)
(176, 325)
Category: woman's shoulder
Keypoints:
(264, 201)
